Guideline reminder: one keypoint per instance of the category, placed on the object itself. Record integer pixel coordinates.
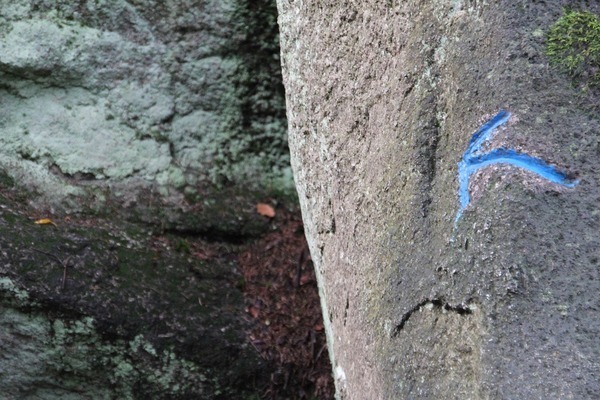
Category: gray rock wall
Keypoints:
(117, 99)
(383, 99)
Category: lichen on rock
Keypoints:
(53, 357)
(124, 97)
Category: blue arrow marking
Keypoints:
(473, 160)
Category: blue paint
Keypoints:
(473, 160)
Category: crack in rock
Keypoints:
(438, 304)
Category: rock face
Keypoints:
(123, 101)
(165, 112)
(109, 310)
(383, 99)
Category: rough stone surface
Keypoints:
(123, 101)
(383, 98)
(167, 112)
(97, 309)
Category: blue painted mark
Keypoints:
(473, 160)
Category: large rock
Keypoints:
(141, 102)
(109, 310)
(383, 98)
(163, 112)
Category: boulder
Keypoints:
(142, 105)
(426, 295)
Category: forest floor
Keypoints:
(282, 298)
(282, 303)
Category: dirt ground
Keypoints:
(282, 300)
(282, 303)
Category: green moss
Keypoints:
(183, 246)
(573, 44)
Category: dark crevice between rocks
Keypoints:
(282, 300)
(437, 304)
(258, 124)
(77, 177)
(212, 235)
(182, 293)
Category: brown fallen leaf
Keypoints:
(253, 311)
(45, 221)
(265, 209)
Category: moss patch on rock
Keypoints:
(573, 44)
